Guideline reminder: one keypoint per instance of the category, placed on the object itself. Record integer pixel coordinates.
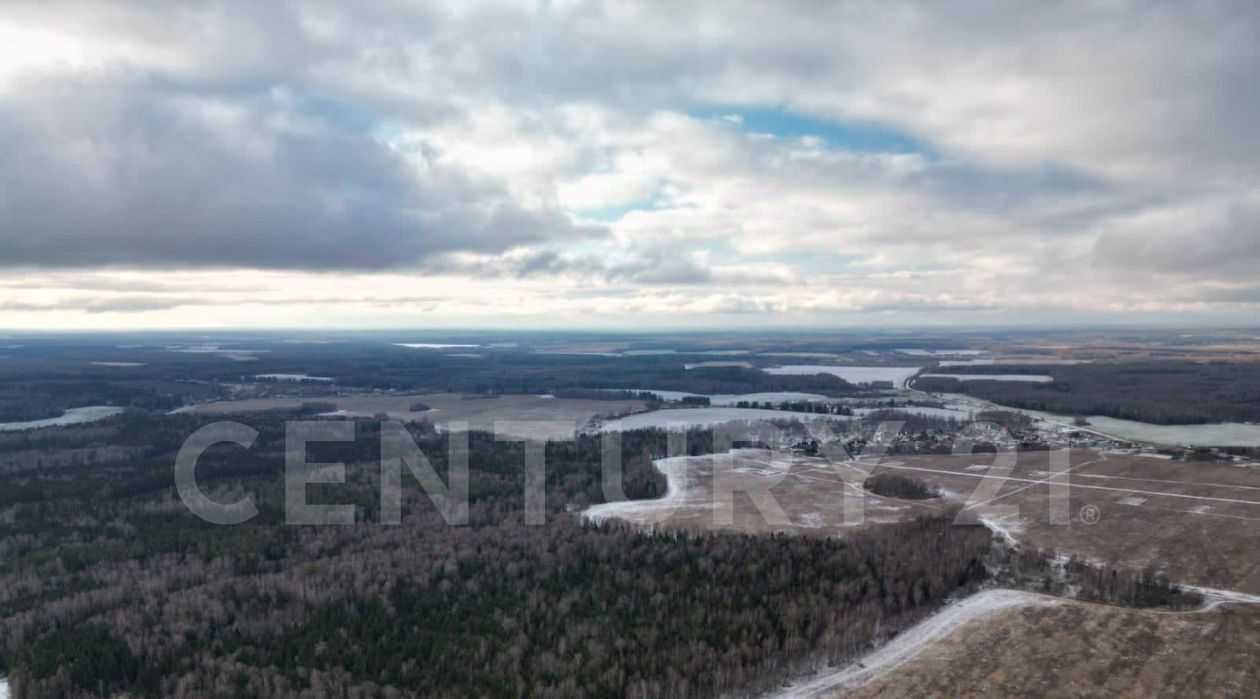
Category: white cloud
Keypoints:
(1094, 158)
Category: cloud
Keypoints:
(1090, 157)
(126, 171)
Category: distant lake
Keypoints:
(73, 416)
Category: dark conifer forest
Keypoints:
(1166, 393)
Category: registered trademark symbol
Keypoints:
(1090, 514)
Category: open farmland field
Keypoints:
(480, 412)
(1064, 648)
(1197, 522)
(789, 493)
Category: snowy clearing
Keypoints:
(648, 511)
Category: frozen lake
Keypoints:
(1029, 378)
(707, 417)
(853, 374)
(73, 416)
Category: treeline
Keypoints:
(1043, 570)
(1164, 393)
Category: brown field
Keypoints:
(1075, 649)
(479, 412)
(1197, 522)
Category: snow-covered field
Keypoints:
(911, 643)
(853, 374)
(1031, 378)
(706, 417)
(73, 416)
(1226, 434)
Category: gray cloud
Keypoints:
(132, 172)
(1114, 140)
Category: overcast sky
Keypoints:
(552, 164)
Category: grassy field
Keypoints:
(480, 412)
(1075, 649)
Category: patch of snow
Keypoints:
(649, 511)
(812, 520)
(1131, 501)
(1003, 527)
(432, 345)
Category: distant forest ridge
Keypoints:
(1165, 393)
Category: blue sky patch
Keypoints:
(848, 135)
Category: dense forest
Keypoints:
(896, 485)
(1158, 392)
(109, 585)
(36, 385)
